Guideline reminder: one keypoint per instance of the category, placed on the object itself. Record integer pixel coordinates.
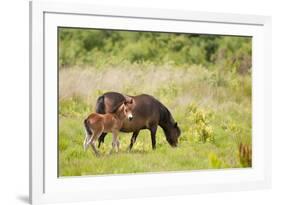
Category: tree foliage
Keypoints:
(90, 47)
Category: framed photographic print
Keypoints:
(129, 102)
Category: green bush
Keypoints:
(200, 129)
(214, 161)
(243, 143)
(90, 47)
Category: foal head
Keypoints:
(125, 110)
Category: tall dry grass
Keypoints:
(183, 85)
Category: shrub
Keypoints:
(245, 154)
(200, 129)
(243, 144)
(214, 161)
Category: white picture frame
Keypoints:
(46, 187)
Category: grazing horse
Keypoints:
(95, 124)
(148, 114)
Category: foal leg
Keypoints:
(101, 138)
(133, 139)
(153, 136)
(93, 143)
(115, 142)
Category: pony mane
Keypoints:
(165, 115)
(166, 121)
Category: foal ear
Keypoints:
(128, 100)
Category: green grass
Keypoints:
(74, 161)
(202, 102)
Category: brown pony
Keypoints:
(148, 114)
(95, 124)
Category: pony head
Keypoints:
(172, 133)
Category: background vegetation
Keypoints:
(205, 81)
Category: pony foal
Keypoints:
(148, 114)
(95, 124)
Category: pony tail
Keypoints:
(100, 107)
(87, 128)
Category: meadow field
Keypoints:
(205, 81)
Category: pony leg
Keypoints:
(101, 139)
(153, 131)
(133, 139)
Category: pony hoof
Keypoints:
(97, 154)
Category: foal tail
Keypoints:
(89, 133)
(87, 128)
